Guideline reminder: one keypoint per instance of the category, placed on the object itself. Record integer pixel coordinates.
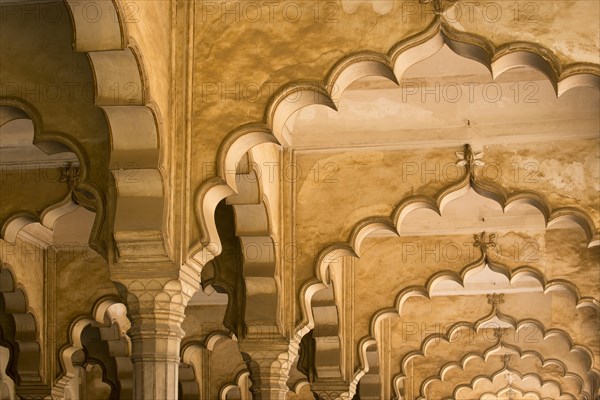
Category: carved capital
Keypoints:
(33, 392)
(331, 390)
(156, 298)
(269, 365)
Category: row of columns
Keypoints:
(156, 305)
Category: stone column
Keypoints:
(156, 306)
(269, 363)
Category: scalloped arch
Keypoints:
(191, 355)
(546, 333)
(239, 389)
(523, 324)
(543, 384)
(108, 315)
(257, 238)
(139, 216)
(86, 193)
(24, 335)
(296, 95)
(463, 363)
(425, 290)
(515, 275)
(367, 226)
(515, 390)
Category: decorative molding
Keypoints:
(470, 358)
(84, 192)
(27, 364)
(140, 224)
(585, 376)
(109, 317)
(425, 291)
(390, 66)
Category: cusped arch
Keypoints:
(469, 359)
(139, 220)
(19, 328)
(256, 238)
(521, 385)
(81, 190)
(194, 363)
(391, 66)
(110, 323)
(296, 95)
(583, 375)
(425, 291)
(238, 390)
(451, 276)
(255, 230)
(333, 253)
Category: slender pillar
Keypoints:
(155, 339)
(156, 305)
